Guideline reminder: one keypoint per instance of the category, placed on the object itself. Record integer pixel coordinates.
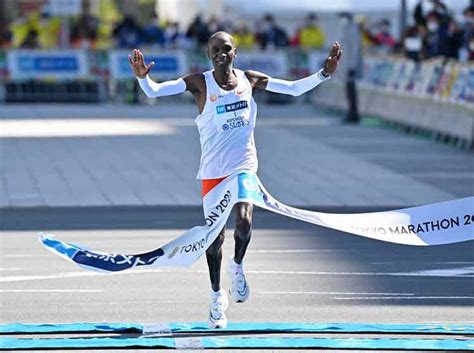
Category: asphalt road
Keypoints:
(297, 273)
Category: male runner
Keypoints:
(226, 123)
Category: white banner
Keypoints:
(44, 64)
(435, 224)
(169, 64)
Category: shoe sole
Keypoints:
(239, 300)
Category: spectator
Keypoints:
(351, 65)
(272, 34)
(368, 40)
(31, 40)
(311, 36)
(154, 35)
(259, 35)
(436, 39)
(85, 30)
(383, 38)
(424, 7)
(128, 33)
(174, 38)
(468, 34)
(42, 32)
(213, 25)
(454, 40)
(5, 36)
(199, 31)
(243, 37)
(413, 42)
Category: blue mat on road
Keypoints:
(161, 328)
(228, 342)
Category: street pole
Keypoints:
(403, 17)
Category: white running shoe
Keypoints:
(219, 304)
(240, 291)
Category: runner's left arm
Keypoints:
(296, 88)
(151, 88)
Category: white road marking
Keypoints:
(424, 262)
(465, 272)
(295, 251)
(404, 297)
(51, 290)
(339, 293)
(10, 268)
(408, 274)
(20, 255)
(83, 127)
(152, 302)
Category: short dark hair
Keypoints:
(218, 34)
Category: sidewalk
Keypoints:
(109, 155)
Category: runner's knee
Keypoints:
(243, 219)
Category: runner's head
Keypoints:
(221, 50)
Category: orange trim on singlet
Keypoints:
(209, 184)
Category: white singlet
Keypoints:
(226, 128)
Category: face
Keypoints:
(221, 51)
(432, 24)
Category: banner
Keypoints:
(434, 224)
(38, 64)
(274, 64)
(168, 64)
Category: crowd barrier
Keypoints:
(95, 75)
(436, 96)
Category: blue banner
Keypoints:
(34, 64)
(168, 64)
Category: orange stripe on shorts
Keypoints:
(209, 184)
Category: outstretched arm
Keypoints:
(150, 87)
(296, 88)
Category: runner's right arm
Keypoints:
(193, 83)
(151, 88)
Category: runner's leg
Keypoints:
(214, 260)
(243, 229)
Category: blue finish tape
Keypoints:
(290, 327)
(225, 342)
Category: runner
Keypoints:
(226, 122)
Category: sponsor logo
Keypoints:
(213, 98)
(232, 107)
(115, 262)
(235, 123)
(248, 187)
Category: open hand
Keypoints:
(137, 62)
(332, 60)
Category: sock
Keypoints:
(216, 294)
(235, 266)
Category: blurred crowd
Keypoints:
(434, 31)
(437, 32)
(40, 30)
